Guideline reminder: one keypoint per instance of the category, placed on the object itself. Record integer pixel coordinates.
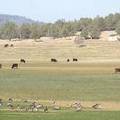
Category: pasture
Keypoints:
(61, 82)
(90, 80)
(61, 116)
(61, 49)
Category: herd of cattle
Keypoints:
(16, 65)
(117, 70)
(68, 60)
(35, 106)
(53, 60)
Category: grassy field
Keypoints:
(60, 49)
(61, 116)
(61, 82)
(91, 79)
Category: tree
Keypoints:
(35, 31)
(99, 22)
(94, 31)
(118, 28)
(85, 33)
(9, 31)
(25, 31)
(91, 31)
(84, 23)
(111, 20)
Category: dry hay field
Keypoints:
(60, 49)
(91, 80)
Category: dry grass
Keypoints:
(60, 49)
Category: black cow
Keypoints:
(0, 66)
(22, 61)
(117, 70)
(75, 60)
(53, 60)
(68, 60)
(15, 65)
(6, 45)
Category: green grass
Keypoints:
(61, 116)
(59, 84)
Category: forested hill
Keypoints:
(14, 18)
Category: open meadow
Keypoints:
(61, 116)
(90, 80)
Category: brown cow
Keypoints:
(15, 65)
(6, 45)
(11, 45)
(53, 60)
(0, 66)
(22, 61)
(117, 70)
(75, 59)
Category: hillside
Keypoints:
(14, 18)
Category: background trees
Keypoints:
(9, 31)
(118, 28)
(25, 31)
(89, 28)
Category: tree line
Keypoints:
(88, 27)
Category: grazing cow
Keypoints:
(68, 60)
(6, 45)
(15, 65)
(11, 45)
(53, 60)
(22, 61)
(117, 70)
(0, 66)
(75, 60)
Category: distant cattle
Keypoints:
(11, 45)
(6, 45)
(22, 61)
(53, 60)
(75, 60)
(14, 66)
(68, 60)
(117, 70)
(0, 66)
